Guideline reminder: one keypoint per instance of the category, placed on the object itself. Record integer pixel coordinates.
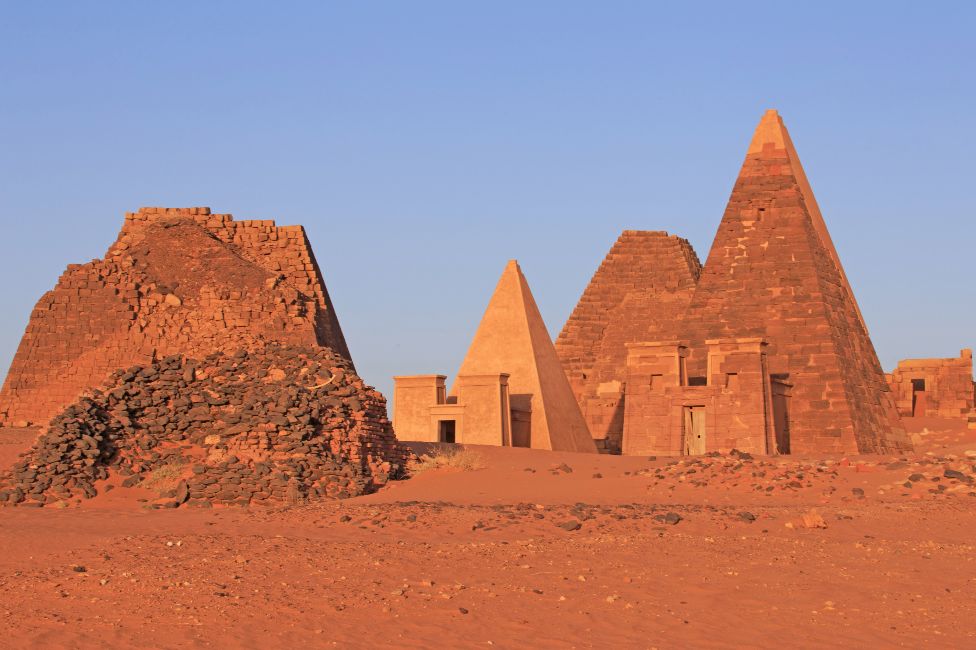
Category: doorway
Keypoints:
(919, 400)
(447, 431)
(694, 431)
(781, 420)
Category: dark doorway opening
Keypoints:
(447, 431)
(919, 400)
(781, 390)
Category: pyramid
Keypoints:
(645, 283)
(512, 338)
(774, 273)
(176, 281)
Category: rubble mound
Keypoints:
(274, 424)
(175, 281)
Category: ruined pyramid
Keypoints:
(643, 285)
(512, 338)
(176, 281)
(773, 273)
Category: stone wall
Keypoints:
(934, 387)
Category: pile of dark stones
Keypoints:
(271, 425)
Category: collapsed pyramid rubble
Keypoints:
(274, 424)
(176, 281)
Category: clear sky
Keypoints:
(423, 144)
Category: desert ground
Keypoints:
(516, 548)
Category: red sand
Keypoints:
(451, 559)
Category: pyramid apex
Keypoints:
(770, 131)
(512, 338)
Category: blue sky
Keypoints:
(423, 144)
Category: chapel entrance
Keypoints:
(447, 431)
(694, 431)
(919, 401)
(781, 414)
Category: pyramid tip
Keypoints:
(770, 130)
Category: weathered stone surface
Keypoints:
(176, 281)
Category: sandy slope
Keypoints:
(479, 559)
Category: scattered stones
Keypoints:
(957, 475)
(811, 519)
(132, 480)
(671, 518)
(858, 492)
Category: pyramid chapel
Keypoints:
(510, 391)
(763, 349)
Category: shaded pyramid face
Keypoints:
(773, 272)
(512, 338)
(176, 281)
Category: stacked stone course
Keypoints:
(275, 424)
(176, 281)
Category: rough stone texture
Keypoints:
(773, 274)
(275, 424)
(934, 387)
(644, 283)
(176, 281)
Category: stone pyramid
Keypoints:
(773, 273)
(512, 338)
(642, 286)
(176, 281)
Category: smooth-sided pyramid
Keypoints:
(176, 281)
(643, 285)
(773, 273)
(512, 338)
